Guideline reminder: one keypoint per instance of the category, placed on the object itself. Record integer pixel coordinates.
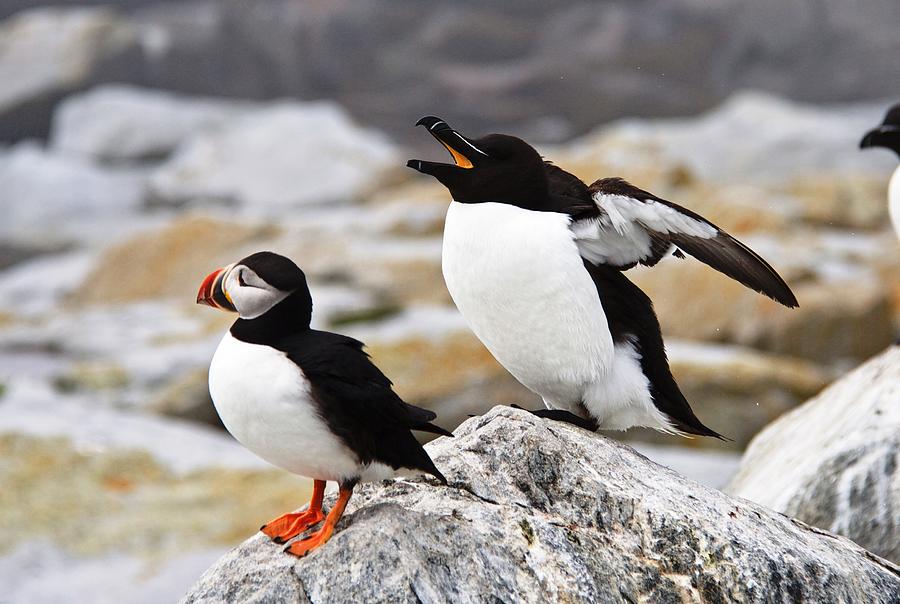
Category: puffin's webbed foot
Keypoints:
(304, 546)
(560, 415)
(286, 527)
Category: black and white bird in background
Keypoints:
(310, 402)
(887, 135)
(534, 260)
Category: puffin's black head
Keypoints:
(496, 167)
(887, 134)
(253, 286)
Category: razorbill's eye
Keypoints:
(523, 234)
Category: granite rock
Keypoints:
(125, 123)
(832, 462)
(539, 511)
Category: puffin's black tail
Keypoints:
(404, 451)
(413, 455)
(420, 419)
(429, 427)
(428, 466)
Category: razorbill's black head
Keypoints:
(496, 167)
(887, 134)
(309, 401)
(253, 286)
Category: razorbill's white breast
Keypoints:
(534, 260)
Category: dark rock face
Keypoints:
(545, 70)
(538, 511)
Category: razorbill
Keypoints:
(888, 135)
(533, 259)
(308, 401)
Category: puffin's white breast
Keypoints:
(519, 281)
(264, 400)
(894, 200)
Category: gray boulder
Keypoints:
(539, 511)
(47, 53)
(52, 199)
(119, 122)
(287, 154)
(832, 462)
(752, 136)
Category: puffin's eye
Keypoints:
(241, 281)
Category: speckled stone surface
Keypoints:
(538, 511)
(833, 462)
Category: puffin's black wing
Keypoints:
(633, 226)
(357, 402)
(629, 313)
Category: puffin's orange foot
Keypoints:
(288, 526)
(304, 546)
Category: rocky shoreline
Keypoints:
(136, 193)
(539, 511)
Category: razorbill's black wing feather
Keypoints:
(629, 313)
(622, 225)
(635, 226)
(358, 403)
(731, 257)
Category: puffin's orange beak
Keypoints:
(212, 292)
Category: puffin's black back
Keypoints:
(358, 404)
(353, 397)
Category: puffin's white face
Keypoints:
(252, 297)
(237, 287)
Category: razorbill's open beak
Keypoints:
(212, 291)
(464, 152)
(881, 136)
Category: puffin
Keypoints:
(534, 259)
(887, 135)
(308, 401)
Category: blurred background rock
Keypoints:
(144, 143)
